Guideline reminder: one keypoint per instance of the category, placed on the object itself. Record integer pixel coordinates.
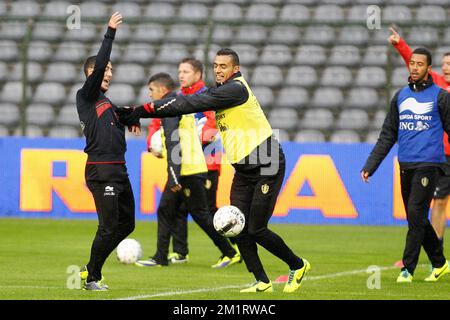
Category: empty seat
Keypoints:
(396, 14)
(340, 77)
(131, 73)
(264, 95)
(71, 51)
(304, 76)
(375, 56)
(400, 77)
(362, 98)
(32, 131)
(380, 36)
(10, 114)
(309, 136)
(143, 95)
(149, 32)
(281, 135)
(201, 54)
(4, 132)
(25, 8)
(184, 33)
(12, 92)
(372, 136)
(64, 132)
(121, 94)
(261, 12)
(248, 54)
(354, 35)
(283, 118)
(13, 30)
(163, 67)
(39, 51)
(252, 34)
(357, 14)
(159, 10)
(94, 9)
(352, 119)
(317, 119)
(2, 8)
(8, 50)
(227, 12)
(374, 77)
(378, 119)
(431, 14)
(3, 71)
(34, 72)
(345, 136)
(327, 98)
(328, 13)
(276, 54)
(68, 115)
(40, 114)
(50, 93)
(56, 9)
(345, 55)
(292, 97)
(220, 34)
(423, 36)
(267, 76)
(61, 72)
(310, 55)
(193, 11)
(84, 34)
(322, 35)
(172, 53)
(294, 13)
(285, 35)
(127, 9)
(138, 52)
(49, 31)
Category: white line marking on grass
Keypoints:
(29, 287)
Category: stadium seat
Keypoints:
(400, 77)
(431, 14)
(71, 97)
(34, 72)
(317, 119)
(40, 114)
(138, 52)
(49, 93)
(183, 33)
(127, 9)
(287, 35)
(56, 9)
(264, 95)
(172, 53)
(260, 12)
(4, 132)
(292, 97)
(71, 52)
(61, 72)
(149, 32)
(379, 37)
(64, 132)
(328, 13)
(13, 30)
(221, 34)
(85, 34)
(199, 52)
(294, 13)
(373, 77)
(227, 12)
(48, 31)
(378, 119)
(160, 10)
(352, 119)
(131, 73)
(357, 13)
(322, 35)
(3, 9)
(439, 53)
(423, 36)
(304, 76)
(363, 98)
(327, 98)
(10, 114)
(24, 8)
(344, 55)
(248, 54)
(372, 136)
(396, 14)
(344, 136)
(12, 92)
(276, 54)
(251, 34)
(193, 11)
(32, 131)
(143, 95)
(94, 9)
(8, 50)
(163, 67)
(283, 118)
(267, 76)
(340, 77)
(311, 55)
(376, 56)
(311, 135)
(402, 2)
(121, 94)
(68, 115)
(281, 135)
(354, 35)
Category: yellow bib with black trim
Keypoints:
(244, 127)
(192, 157)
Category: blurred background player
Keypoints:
(256, 156)
(106, 174)
(185, 183)
(420, 155)
(441, 195)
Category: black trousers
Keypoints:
(418, 186)
(114, 201)
(194, 197)
(256, 195)
(211, 190)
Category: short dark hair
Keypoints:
(426, 53)
(229, 52)
(89, 63)
(447, 54)
(196, 64)
(163, 79)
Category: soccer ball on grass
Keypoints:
(129, 251)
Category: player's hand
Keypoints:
(365, 176)
(176, 188)
(115, 20)
(394, 38)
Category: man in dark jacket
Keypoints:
(106, 174)
(418, 115)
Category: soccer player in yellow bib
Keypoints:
(254, 153)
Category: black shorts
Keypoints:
(443, 184)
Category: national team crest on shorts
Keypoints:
(187, 192)
(424, 181)
(208, 184)
(265, 188)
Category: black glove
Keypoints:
(130, 116)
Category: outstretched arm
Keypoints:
(400, 45)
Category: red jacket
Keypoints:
(406, 52)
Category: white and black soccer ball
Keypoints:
(229, 221)
(129, 251)
(156, 142)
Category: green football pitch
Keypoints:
(38, 258)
